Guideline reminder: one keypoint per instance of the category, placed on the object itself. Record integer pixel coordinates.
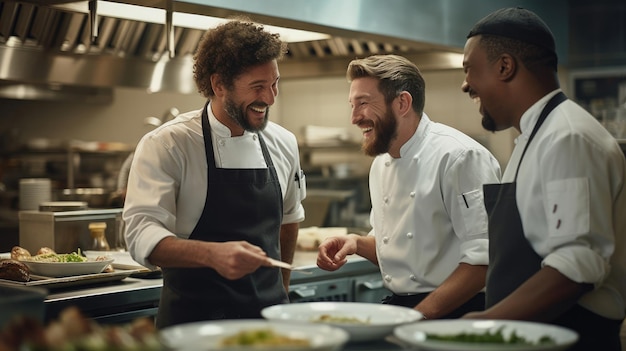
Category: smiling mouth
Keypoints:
(259, 109)
(367, 132)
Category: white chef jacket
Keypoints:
(168, 179)
(428, 213)
(572, 200)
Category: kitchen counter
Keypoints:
(307, 259)
(111, 302)
(134, 297)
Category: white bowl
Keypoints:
(208, 335)
(416, 335)
(378, 320)
(65, 269)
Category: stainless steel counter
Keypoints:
(131, 298)
(356, 266)
(113, 302)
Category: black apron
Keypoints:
(241, 204)
(512, 260)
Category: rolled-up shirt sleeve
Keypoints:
(569, 220)
(464, 197)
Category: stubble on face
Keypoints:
(385, 132)
(238, 114)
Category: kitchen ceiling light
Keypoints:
(180, 19)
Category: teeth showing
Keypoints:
(365, 130)
(258, 109)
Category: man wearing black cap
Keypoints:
(557, 226)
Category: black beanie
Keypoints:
(516, 23)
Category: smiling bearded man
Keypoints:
(429, 233)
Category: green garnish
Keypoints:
(490, 337)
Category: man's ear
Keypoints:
(507, 67)
(403, 103)
(217, 85)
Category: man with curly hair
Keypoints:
(216, 192)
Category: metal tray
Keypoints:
(76, 280)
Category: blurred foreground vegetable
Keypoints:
(74, 332)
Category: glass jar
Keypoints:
(99, 242)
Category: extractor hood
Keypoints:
(48, 51)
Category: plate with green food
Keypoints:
(363, 321)
(252, 334)
(64, 265)
(485, 335)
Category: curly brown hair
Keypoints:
(230, 49)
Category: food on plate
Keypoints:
(55, 257)
(45, 251)
(45, 254)
(490, 337)
(262, 338)
(19, 253)
(73, 331)
(11, 269)
(328, 318)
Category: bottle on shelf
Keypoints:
(100, 242)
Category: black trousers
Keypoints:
(595, 332)
(476, 303)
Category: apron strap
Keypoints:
(554, 102)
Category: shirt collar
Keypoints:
(417, 137)
(530, 117)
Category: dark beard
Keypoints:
(489, 123)
(238, 114)
(385, 131)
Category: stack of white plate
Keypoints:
(34, 191)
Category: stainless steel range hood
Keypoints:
(48, 51)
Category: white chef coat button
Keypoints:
(385, 240)
(222, 142)
(412, 194)
(254, 137)
(387, 278)
(413, 277)
(409, 235)
(386, 199)
(415, 158)
(387, 164)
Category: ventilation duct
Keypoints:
(47, 52)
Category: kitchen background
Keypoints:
(73, 108)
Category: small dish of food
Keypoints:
(51, 264)
(362, 321)
(252, 334)
(486, 335)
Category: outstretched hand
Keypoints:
(333, 252)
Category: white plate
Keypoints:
(381, 319)
(208, 335)
(122, 259)
(66, 269)
(415, 334)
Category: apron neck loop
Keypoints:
(552, 103)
